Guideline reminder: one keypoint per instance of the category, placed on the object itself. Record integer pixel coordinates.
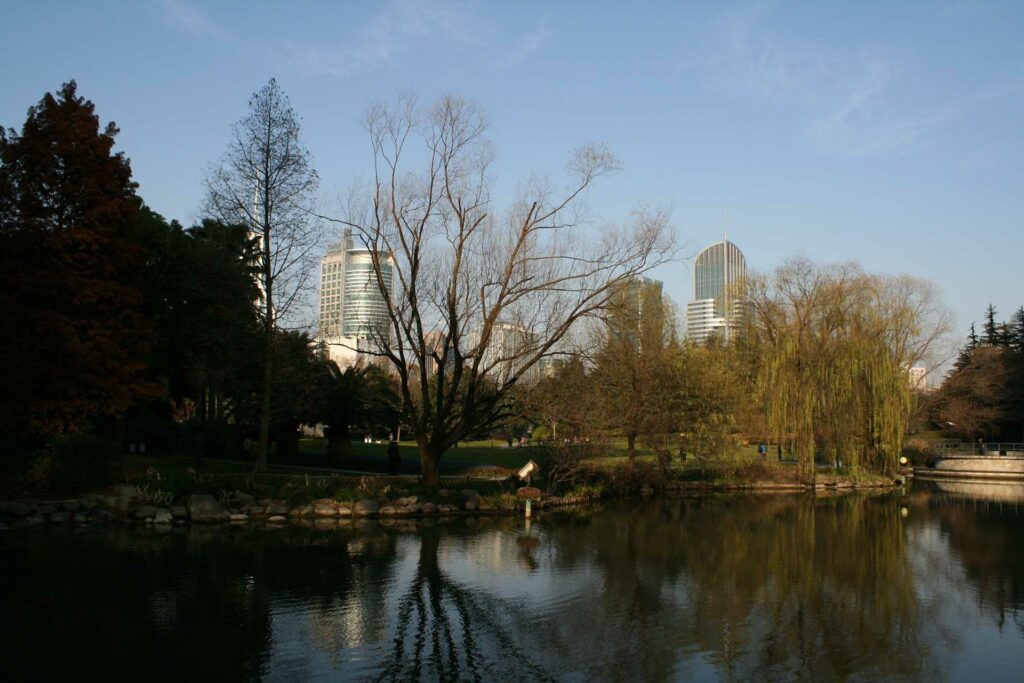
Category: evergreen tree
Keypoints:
(990, 332)
(73, 343)
(964, 357)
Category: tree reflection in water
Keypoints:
(726, 587)
(448, 631)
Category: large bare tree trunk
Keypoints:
(430, 466)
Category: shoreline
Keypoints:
(124, 505)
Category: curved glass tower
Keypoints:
(719, 274)
(353, 312)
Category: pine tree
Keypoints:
(990, 334)
(1015, 334)
(964, 357)
(73, 342)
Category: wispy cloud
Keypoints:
(527, 46)
(850, 101)
(405, 27)
(188, 17)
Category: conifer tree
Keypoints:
(73, 342)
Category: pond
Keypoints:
(926, 585)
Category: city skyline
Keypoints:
(832, 132)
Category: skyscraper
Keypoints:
(719, 274)
(635, 302)
(353, 312)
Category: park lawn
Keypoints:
(468, 452)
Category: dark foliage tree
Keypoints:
(199, 294)
(983, 395)
(362, 396)
(73, 344)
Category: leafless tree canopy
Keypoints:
(266, 180)
(482, 293)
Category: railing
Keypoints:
(978, 448)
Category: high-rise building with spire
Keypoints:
(719, 275)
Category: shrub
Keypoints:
(76, 462)
(917, 451)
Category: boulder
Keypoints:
(71, 505)
(241, 501)
(471, 504)
(80, 518)
(89, 502)
(507, 505)
(366, 506)
(124, 491)
(301, 511)
(388, 510)
(345, 510)
(145, 511)
(15, 509)
(163, 516)
(60, 517)
(238, 517)
(277, 519)
(445, 508)
(429, 509)
(325, 508)
(413, 508)
(45, 508)
(32, 520)
(276, 508)
(469, 493)
(444, 493)
(179, 511)
(203, 507)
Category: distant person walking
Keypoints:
(762, 450)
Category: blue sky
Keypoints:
(888, 133)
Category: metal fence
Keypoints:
(987, 448)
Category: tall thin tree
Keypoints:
(266, 180)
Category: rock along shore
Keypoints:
(124, 504)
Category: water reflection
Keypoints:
(713, 587)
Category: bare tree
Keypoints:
(266, 180)
(479, 297)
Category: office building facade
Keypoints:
(353, 311)
(719, 275)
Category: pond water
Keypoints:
(923, 586)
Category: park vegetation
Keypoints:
(500, 321)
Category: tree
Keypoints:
(834, 346)
(73, 345)
(479, 295)
(631, 374)
(199, 290)
(990, 332)
(267, 182)
(708, 390)
(983, 395)
(360, 395)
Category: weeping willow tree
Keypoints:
(832, 347)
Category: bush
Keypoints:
(917, 451)
(72, 463)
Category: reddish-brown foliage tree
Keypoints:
(73, 342)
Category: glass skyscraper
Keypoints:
(719, 274)
(353, 312)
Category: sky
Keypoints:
(886, 133)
